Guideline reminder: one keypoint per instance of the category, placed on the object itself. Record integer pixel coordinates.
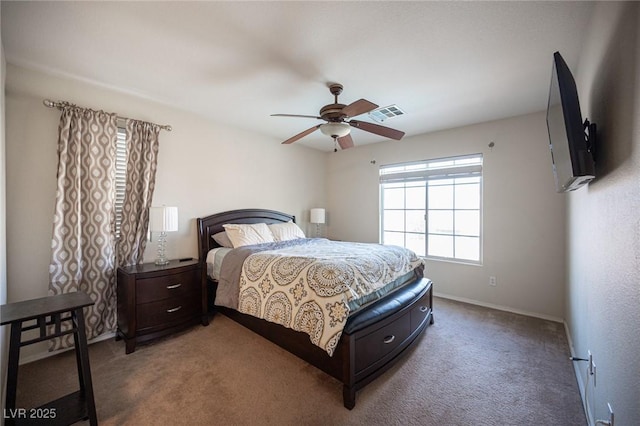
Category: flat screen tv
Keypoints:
(571, 140)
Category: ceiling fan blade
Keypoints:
(301, 134)
(296, 115)
(358, 107)
(377, 129)
(345, 142)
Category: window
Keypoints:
(434, 207)
(121, 175)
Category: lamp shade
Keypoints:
(163, 219)
(317, 216)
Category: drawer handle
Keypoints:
(174, 309)
(389, 339)
(424, 308)
(171, 287)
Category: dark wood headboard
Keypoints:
(207, 226)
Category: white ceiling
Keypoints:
(446, 64)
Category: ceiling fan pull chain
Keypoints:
(335, 144)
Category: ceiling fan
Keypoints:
(337, 126)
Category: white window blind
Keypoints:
(446, 168)
(121, 176)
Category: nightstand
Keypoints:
(154, 301)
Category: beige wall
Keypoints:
(523, 223)
(203, 168)
(603, 242)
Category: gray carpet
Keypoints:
(474, 366)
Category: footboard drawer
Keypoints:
(420, 311)
(373, 347)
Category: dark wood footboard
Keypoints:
(370, 351)
(365, 351)
(373, 339)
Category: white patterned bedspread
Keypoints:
(313, 286)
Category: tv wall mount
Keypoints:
(590, 137)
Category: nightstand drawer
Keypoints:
(168, 311)
(168, 286)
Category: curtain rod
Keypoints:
(51, 104)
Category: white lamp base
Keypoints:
(161, 258)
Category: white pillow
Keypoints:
(286, 231)
(248, 234)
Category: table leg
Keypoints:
(76, 342)
(12, 370)
(84, 370)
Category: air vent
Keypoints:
(386, 113)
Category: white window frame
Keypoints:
(449, 168)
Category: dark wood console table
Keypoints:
(69, 409)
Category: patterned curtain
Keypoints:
(83, 242)
(142, 158)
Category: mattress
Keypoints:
(310, 285)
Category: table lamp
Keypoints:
(317, 217)
(163, 219)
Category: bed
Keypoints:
(373, 336)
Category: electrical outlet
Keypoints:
(492, 281)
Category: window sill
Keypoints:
(455, 261)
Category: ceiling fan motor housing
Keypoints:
(332, 112)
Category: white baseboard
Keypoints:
(43, 355)
(499, 307)
(579, 379)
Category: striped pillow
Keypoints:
(286, 231)
(248, 234)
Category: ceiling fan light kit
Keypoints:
(335, 130)
(337, 126)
